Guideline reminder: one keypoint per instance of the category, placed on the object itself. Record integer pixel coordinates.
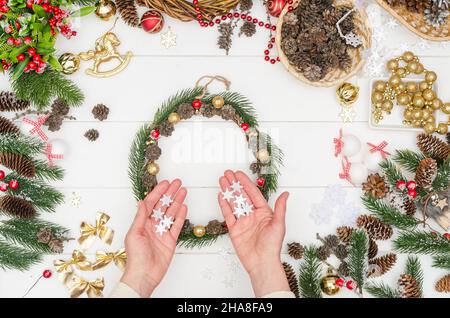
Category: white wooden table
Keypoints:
(302, 119)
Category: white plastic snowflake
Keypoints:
(166, 200)
(335, 195)
(227, 195)
(321, 213)
(353, 39)
(75, 201)
(157, 214)
(347, 114)
(169, 39)
(348, 213)
(236, 186)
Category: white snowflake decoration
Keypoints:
(236, 186)
(169, 39)
(347, 114)
(158, 214)
(321, 214)
(227, 195)
(75, 201)
(165, 222)
(353, 39)
(166, 200)
(348, 213)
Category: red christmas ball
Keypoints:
(340, 282)
(3, 187)
(401, 185)
(350, 285)
(260, 182)
(2, 174)
(155, 134)
(47, 273)
(245, 126)
(447, 236)
(411, 185)
(275, 7)
(14, 184)
(197, 104)
(152, 21)
(412, 193)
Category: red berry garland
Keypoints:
(47, 273)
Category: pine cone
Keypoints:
(292, 279)
(166, 129)
(10, 103)
(207, 110)
(17, 207)
(375, 186)
(45, 235)
(186, 111)
(313, 73)
(255, 167)
(56, 246)
(289, 46)
(343, 269)
(408, 287)
(295, 250)
(448, 138)
(187, 227)
(374, 227)
(21, 164)
(60, 107)
(341, 251)
(409, 207)
(385, 262)
(331, 241)
(323, 253)
(373, 249)
(443, 285)
(246, 5)
(225, 32)
(92, 134)
(426, 173)
(54, 122)
(433, 146)
(290, 18)
(8, 127)
(128, 12)
(100, 112)
(228, 112)
(344, 233)
(153, 152)
(248, 29)
(216, 227)
(149, 181)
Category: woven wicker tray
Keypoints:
(336, 76)
(416, 23)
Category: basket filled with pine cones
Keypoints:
(429, 19)
(321, 42)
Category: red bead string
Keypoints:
(236, 15)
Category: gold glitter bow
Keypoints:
(104, 258)
(78, 260)
(89, 232)
(93, 288)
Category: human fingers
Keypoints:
(153, 197)
(251, 190)
(178, 200)
(226, 206)
(167, 197)
(238, 189)
(140, 218)
(280, 208)
(179, 221)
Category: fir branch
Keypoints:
(40, 89)
(357, 257)
(24, 232)
(381, 290)
(20, 144)
(190, 240)
(13, 257)
(441, 261)
(408, 159)
(271, 172)
(391, 171)
(137, 162)
(310, 274)
(442, 180)
(82, 3)
(414, 268)
(45, 172)
(419, 242)
(389, 214)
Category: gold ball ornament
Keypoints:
(436, 104)
(446, 108)
(412, 87)
(403, 99)
(392, 64)
(423, 86)
(429, 94)
(377, 97)
(417, 114)
(408, 56)
(218, 102)
(430, 76)
(417, 123)
(69, 62)
(401, 87)
(442, 128)
(347, 93)
(387, 106)
(263, 155)
(418, 101)
(429, 128)
(401, 71)
(174, 118)
(413, 66)
(153, 168)
(105, 9)
(420, 68)
(199, 231)
(408, 114)
(379, 86)
(395, 80)
(328, 283)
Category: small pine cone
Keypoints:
(128, 12)
(56, 246)
(10, 103)
(344, 233)
(291, 278)
(323, 252)
(343, 269)
(246, 5)
(228, 112)
(187, 227)
(331, 241)
(60, 107)
(255, 167)
(448, 138)
(17, 207)
(295, 250)
(313, 73)
(289, 46)
(7, 127)
(166, 129)
(207, 110)
(100, 112)
(45, 235)
(54, 122)
(375, 186)
(409, 207)
(215, 227)
(443, 285)
(248, 29)
(374, 227)
(341, 251)
(433, 146)
(373, 249)
(290, 18)
(149, 181)
(92, 134)
(408, 287)
(186, 111)
(224, 40)
(153, 152)
(426, 173)
(385, 262)
(21, 164)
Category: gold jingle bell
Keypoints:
(218, 102)
(173, 118)
(328, 283)
(105, 9)
(199, 231)
(69, 62)
(347, 93)
(153, 168)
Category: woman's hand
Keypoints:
(148, 253)
(257, 237)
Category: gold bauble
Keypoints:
(395, 80)
(429, 128)
(377, 97)
(446, 108)
(408, 56)
(153, 168)
(412, 87)
(387, 106)
(69, 62)
(347, 93)
(199, 231)
(418, 101)
(417, 123)
(401, 71)
(263, 155)
(218, 102)
(379, 86)
(173, 118)
(401, 87)
(328, 283)
(408, 114)
(423, 86)
(429, 94)
(431, 119)
(430, 76)
(442, 128)
(426, 114)
(420, 68)
(413, 66)
(417, 114)
(436, 104)
(105, 9)
(392, 64)
(403, 99)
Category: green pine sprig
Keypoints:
(441, 261)
(46, 172)
(408, 159)
(272, 171)
(414, 268)
(137, 162)
(392, 172)
(189, 240)
(381, 290)
(442, 180)
(310, 274)
(14, 257)
(421, 242)
(20, 144)
(357, 257)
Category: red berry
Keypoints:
(401, 185)
(37, 58)
(42, 64)
(260, 23)
(217, 21)
(197, 104)
(236, 15)
(272, 61)
(14, 184)
(245, 126)
(31, 51)
(412, 193)
(27, 40)
(350, 285)
(340, 282)
(10, 41)
(17, 42)
(411, 185)
(47, 273)
(266, 58)
(260, 182)
(32, 65)
(2, 174)
(17, 25)
(447, 236)
(155, 134)
(195, 2)
(3, 187)
(20, 57)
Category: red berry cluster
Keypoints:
(13, 183)
(408, 187)
(57, 17)
(3, 7)
(35, 64)
(349, 283)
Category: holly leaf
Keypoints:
(83, 11)
(18, 69)
(39, 11)
(16, 51)
(54, 63)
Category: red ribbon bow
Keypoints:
(345, 174)
(50, 156)
(37, 124)
(379, 148)
(338, 144)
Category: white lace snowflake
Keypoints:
(75, 200)
(321, 213)
(348, 213)
(334, 195)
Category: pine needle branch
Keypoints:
(419, 242)
(20, 144)
(190, 240)
(414, 268)
(408, 159)
(381, 290)
(357, 257)
(13, 257)
(441, 261)
(310, 274)
(45, 172)
(391, 171)
(272, 171)
(137, 162)
(442, 180)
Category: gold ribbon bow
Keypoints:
(93, 288)
(104, 258)
(89, 232)
(78, 260)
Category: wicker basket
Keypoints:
(336, 76)
(416, 23)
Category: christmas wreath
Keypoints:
(197, 102)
